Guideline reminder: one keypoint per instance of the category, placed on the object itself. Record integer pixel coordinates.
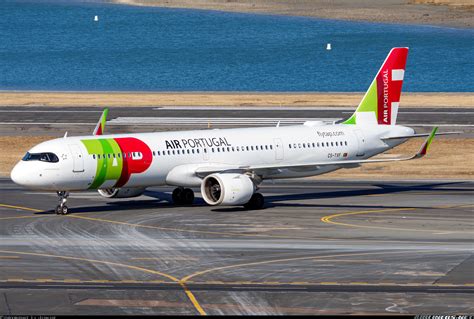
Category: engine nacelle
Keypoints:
(227, 189)
(120, 192)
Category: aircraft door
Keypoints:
(77, 158)
(278, 145)
(360, 142)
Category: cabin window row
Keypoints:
(214, 150)
(317, 144)
(132, 155)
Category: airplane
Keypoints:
(227, 164)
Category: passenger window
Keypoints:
(93, 156)
(197, 150)
(271, 147)
(158, 153)
(154, 154)
(313, 144)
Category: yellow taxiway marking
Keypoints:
(21, 208)
(9, 257)
(190, 295)
(199, 273)
(329, 219)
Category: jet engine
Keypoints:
(227, 189)
(120, 192)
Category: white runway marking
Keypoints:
(254, 108)
(214, 120)
(48, 111)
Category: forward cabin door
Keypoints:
(360, 142)
(278, 145)
(77, 158)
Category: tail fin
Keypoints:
(380, 103)
(99, 128)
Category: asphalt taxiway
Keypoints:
(54, 121)
(318, 247)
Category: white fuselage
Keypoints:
(170, 158)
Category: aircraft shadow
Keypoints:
(162, 200)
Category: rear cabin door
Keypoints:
(278, 145)
(77, 158)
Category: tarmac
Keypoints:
(318, 247)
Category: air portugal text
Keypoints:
(197, 142)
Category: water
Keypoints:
(57, 46)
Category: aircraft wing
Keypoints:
(416, 135)
(256, 168)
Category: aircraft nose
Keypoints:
(18, 175)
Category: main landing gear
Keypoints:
(61, 209)
(256, 202)
(183, 196)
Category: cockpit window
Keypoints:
(43, 157)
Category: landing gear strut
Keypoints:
(61, 209)
(256, 202)
(183, 196)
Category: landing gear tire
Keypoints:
(62, 209)
(183, 196)
(188, 196)
(256, 202)
(176, 196)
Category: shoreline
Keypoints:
(444, 13)
(231, 99)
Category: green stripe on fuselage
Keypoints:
(108, 168)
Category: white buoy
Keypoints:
(96, 18)
(328, 46)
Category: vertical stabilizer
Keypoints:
(99, 128)
(380, 103)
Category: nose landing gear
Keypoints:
(62, 209)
